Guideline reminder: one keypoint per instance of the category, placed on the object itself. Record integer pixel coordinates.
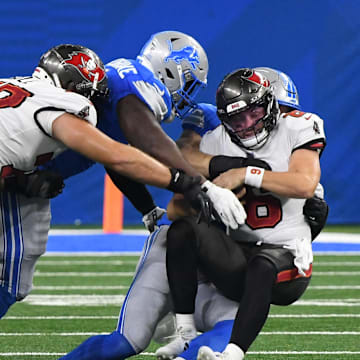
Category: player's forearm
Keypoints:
(166, 151)
(200, 161)
(92, 143)
(292, 185)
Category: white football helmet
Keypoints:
(284, 88)
(180, 62)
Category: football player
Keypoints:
(40, 117)
(269, 259)
(150, 282)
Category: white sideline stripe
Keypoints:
(323, 237)
(81, 287)
(328, 237)
(83, 274)
(262, 333)
(87, 262)
(110, 317)
(129, 273)
(56, 232)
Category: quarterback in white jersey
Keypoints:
(257, 264)
(272, 218)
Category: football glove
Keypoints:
(226, 204)
(220, 163)
(190, 187)
(43, 184)
(151, 218)
(316, 211)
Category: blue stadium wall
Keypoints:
(316, 42)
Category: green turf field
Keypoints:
(79, 296)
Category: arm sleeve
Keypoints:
(137, 193)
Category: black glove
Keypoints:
(43, 184)
(190, 187)
(220, 163)
(316, 211)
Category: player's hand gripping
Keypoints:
(43, 184)
(151, 218)
(226, 204)
(190, 187)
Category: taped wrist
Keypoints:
(254, 176)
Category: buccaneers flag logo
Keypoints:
(86, 66)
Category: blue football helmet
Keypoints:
(284, 88)
(180, 62)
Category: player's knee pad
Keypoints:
(287, 292)
(6, 300)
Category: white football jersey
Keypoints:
(272, 218)
(28, 108)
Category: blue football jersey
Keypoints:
(131, 77)
(201, 119)
(125, 77)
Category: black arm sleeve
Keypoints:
(136, 192)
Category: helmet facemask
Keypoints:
(184, 99)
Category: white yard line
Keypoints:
(110, 317)
(117, 300)
(81, 287)
(249, 352)
(83, 274)
(128, 273)
(356, 333)
(336, 273)
(87, 262)
(336, 263)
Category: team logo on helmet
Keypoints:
(188, 53)
(86, 66)
(258, 79)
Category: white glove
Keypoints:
(150, 219)
(226, 204)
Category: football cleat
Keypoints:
(180, 343)
(231, 352)
(205, 353)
